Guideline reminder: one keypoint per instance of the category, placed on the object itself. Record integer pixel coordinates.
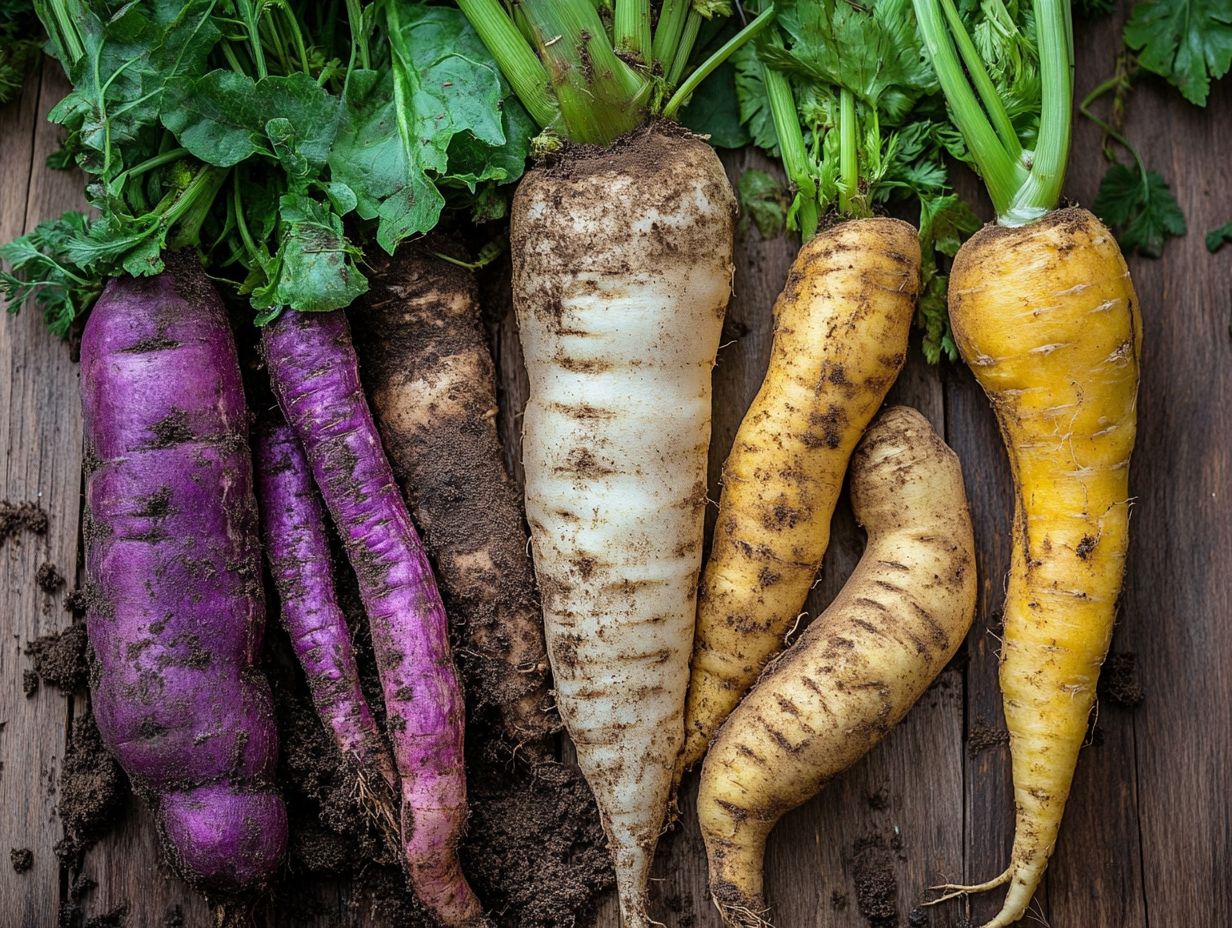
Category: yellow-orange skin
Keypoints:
(858, 668)
(1047, 319)
(841, 329)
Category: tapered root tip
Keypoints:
(738, 910)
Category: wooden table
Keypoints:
(1148, 832)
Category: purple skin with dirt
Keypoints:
(315, 374)
(176, 610)
(297, 547)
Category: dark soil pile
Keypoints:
(983, 737)
(91, 790)
(1118, 680)
(60, 658)
(872, 868)
(16, 518)
(22, 859)
(48, 578)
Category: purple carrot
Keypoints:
(293, 527)
(176, 610)
(315, 374)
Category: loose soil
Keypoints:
(983, 737)
(60, 658)
(16, 518)
(49, 578)
(22, 859)
(1118, 681)
(872, 868)
(91, 791)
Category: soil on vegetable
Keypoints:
(91, 791)
(1118, 680)
(49, 578)
(983, 737)
(533, 850)
(22, 859)
(872, 869)
(16, 518)
(60, 658)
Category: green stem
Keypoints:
(983, 83)
(297, 39)
(704, 70)
(359, 35)
(66, 34)
(1002, 174)
(1041, 193)
(251, 18)
(241, 224)
(517, 60)
(631, 29)
(668, 31)
(601, 98)
(684, 50)
(792, 150)
(150, 164)
(848, 154)
(193, 205)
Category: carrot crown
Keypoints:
(589, 75)
(1009, 87)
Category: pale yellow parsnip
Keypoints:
(840, 338)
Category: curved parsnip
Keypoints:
(622, 270)
(858, 668)
(841, 329)
(1047, 318)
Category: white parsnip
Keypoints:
(622, 271)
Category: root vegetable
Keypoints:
(1047, 318)
(858, 669)
(840, 339)
(176, 609)
(293, 527)
(620, 301)
(426, 364)
(315, 376)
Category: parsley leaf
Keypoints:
(1188, 42)
(945, 222)
(1140, 207)
(763, 201)
(42, 270)
(1217, 238)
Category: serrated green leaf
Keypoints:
(1188, 42)
(1141, 210)
(224, 118)
(945, 223)
(763, 201)
(1217, 238)
(314, 269)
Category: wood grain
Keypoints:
(1148, 834)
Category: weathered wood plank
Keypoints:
(41, 426)
(1179, 594)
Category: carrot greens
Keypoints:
(386, 113)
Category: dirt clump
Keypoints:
(91, 790)
(983, 737)
(872, 868)
(22, 859)
(1118, 680)
(16, 518)
(60, 658)
(48, 577)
